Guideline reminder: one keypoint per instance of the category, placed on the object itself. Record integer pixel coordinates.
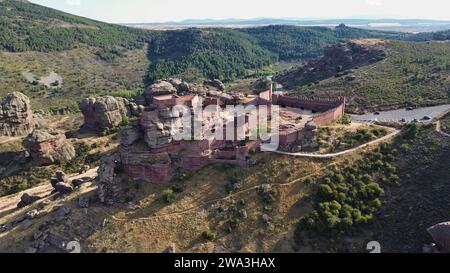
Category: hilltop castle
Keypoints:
(151, 152)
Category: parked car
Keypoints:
(427, 118)
(377, 113)
(409, 108)
(403, 120)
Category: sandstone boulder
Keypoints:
(27, 200)
(441, 236)
(63, 188)
(46, 146)
(105, 113)
(61, 176)
(159, 88)
(180, 85)
(16, 117)
(217, 84)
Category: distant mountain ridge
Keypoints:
(403, 25)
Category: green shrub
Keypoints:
(169, 196)
(208, 235)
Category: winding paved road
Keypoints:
(409, 115)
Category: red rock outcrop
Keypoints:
(16, 117)
(105, 113)
(47, 146)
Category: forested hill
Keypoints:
(225, 54)
(213, 53)
(305, 43)
(429, 36)
(29, 27)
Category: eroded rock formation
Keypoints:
(16, 117)
(46, 146)
(104, 113)
(108, 180)
(178, 87)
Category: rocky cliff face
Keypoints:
(337, 60)
(108, 180)
(105, 113)
(16, 116)
(46, 146)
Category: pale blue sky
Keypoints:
(138, 11)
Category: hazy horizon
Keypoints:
(159, 11)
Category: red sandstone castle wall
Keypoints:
(267, 95)
(330, 116)
(288, 138)
(171, 101)
(316, 104)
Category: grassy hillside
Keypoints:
(91, 57)
(422, 197)
(28, 27)
(82, 72)
(390, 194)
(412, 74)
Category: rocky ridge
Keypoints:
(337, 60)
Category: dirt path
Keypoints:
(193, 208)
(228, 197)
(10, 202)
(372, 143)
(439, 129)
(4, 140)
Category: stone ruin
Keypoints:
(105, 113)
(46, 146)
(16, 116)
(148, 151)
